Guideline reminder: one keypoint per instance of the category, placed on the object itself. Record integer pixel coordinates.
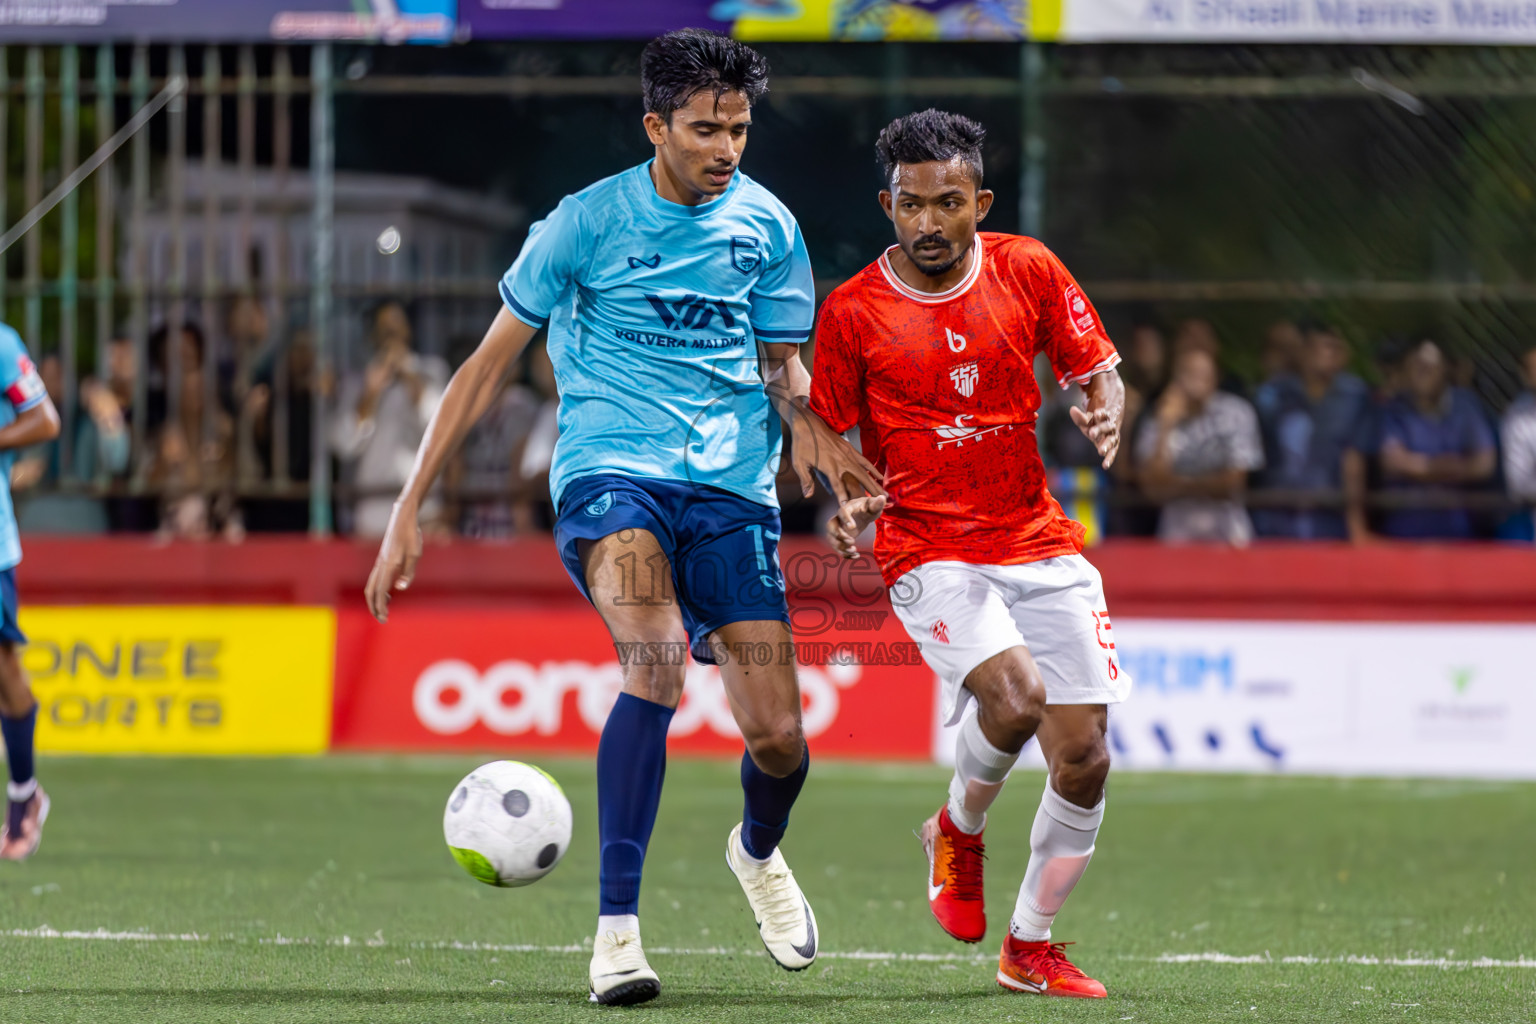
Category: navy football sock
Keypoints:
(766, 815)
(18, 744)
(631, 763)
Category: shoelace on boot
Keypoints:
(624, 952)
(1054, 955)
(781, 905)
(965, 856)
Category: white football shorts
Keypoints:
(961, 614)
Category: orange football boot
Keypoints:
(1043, 968)
(954, 877)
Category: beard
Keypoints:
(936, 266)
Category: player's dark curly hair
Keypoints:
(679, 64)
(931, 135)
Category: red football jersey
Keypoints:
(942, 389)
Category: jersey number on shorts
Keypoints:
(758, 533)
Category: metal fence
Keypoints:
(1387, 189)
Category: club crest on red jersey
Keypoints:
(964, 378)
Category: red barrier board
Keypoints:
(519, 679)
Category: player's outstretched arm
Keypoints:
(1100, 422)
(469, 394)
(814, 446)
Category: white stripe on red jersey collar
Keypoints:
(931, 298)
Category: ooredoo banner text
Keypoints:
(535, 680)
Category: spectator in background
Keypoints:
(281, 409)
(483, 479)
(1195, 452)
(177, 378)
(1283, 351)
(1145, 373)
(1435, 440)
(1199, 334)
(381, 417)
(1145, 369)
(1311, 419)
(1518, 433)
(99, 451)
(246, 361)
(191, 442)
(128, 513)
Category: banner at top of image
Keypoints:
(78, 21)
(765, 20)
(1496, 22)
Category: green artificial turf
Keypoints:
(321, 890)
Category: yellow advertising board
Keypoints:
(181, 680)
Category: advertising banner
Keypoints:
(537, 680)
(181, 680)
(1286, 21)
(1324, 698)
(75, 21)
(764, 20)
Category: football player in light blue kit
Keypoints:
(676, 294)
(27, 417)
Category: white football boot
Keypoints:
(784, 918)
(619, 974)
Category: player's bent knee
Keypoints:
(778, 752)
(1080, 774)
(1021, 703)
(659, 684)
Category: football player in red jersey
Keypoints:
(929, 351)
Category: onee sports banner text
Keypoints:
(181, 680)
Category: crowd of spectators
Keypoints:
(1312, 451)
(226, 441)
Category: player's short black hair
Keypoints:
(679, 64)
(931, 135)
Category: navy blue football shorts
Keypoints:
(724, 549)
(10, 632)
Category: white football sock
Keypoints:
(980, 769)
(19, 791)
(1060, 846)
(618, 924)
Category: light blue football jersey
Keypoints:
(654, 311)
(22, 389)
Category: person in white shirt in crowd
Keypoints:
(381, 416)
(1195, 451)
(1517, 434)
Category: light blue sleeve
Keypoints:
(784, 301)
(19, 381)
(556, 252)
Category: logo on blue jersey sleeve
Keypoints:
(599, 506)
(746, 253)
(649, 262)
